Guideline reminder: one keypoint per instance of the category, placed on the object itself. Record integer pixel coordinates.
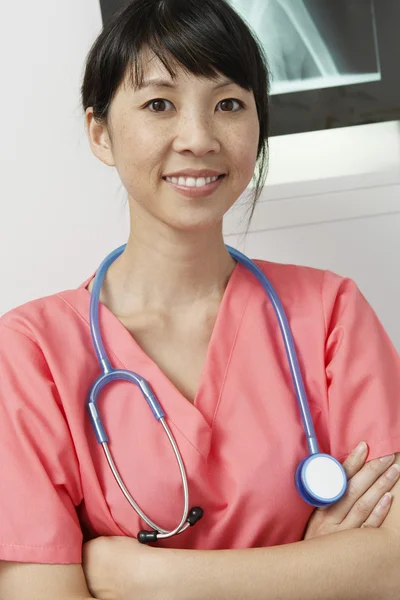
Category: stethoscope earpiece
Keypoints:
(195, 514)
(146, 537)
(320, 480)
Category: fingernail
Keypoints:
(393, 472)
(361, 448)
(386, 500)
(387, 459)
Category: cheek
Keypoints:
(244, 147)
(138, 157)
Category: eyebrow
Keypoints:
(169, 84)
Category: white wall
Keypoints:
(60, 209)
(332, 201)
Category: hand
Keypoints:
(119, 568)
(366, 502)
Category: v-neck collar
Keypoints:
(193, 420)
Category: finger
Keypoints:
(355, 460)
(357, 487)
(353, 463)
(380, 512)
(364, 506)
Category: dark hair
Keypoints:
(204, 37)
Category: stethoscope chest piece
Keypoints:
(321, 480)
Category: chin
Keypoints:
(196, 225)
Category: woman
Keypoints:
(176, 308)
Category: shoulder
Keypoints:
(334, 300)
(286, 274)
(43, 342)
(37, 318)
(317, 294)
(299, 279)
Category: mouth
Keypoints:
(193, 182)
(195, 187)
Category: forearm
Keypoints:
(360, 564)
(28, 581)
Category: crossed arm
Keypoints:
(356, 564)
(350, 564)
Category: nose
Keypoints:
(196, 134)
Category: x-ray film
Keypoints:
(312, 44)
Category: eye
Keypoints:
(157, 105)
(228, 105)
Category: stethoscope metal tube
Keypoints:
(320, 478)
(162, 533)
(109, 375)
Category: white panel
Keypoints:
(317, 208)
(372, 149)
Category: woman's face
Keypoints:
(188, 129)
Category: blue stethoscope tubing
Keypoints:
(320, 479)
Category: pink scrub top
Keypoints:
(241, 440)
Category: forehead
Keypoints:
(149, 67)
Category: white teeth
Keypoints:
(191, 181)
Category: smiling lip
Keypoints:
(195, 192)
(194, 173)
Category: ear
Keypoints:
(99, 139)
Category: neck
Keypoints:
(168, 270)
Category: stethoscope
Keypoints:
(320, 479)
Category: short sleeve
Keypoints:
(363, 373)
(39, 483)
